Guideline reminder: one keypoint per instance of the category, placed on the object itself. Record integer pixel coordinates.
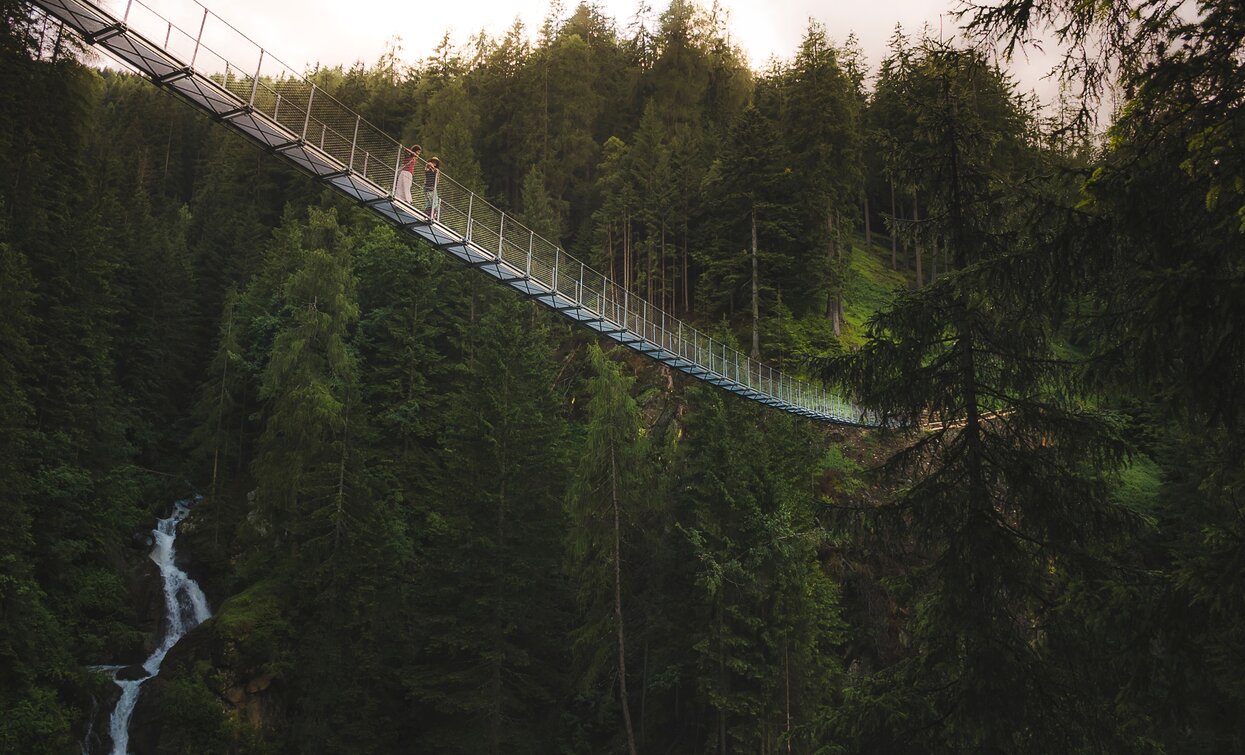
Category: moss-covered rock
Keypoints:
(219, 689)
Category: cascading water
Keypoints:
(185, 608)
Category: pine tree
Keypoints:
(754, 252)
(604, 496)
(33, 648)
(510, 125)
(613, 221)
(490, 597)
(887, 129)
(1157, 252)
(650, 176)
(572, 105)
(821, 125)
(539, 213)
(1007, 503)
(762, 614)
(309, 381)
(407, 312)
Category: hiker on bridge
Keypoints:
(432, 175)
(407, 173)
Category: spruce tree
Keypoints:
(1157, 251)
(490, 598)
(33, 648)
(604, 497)
(309, 380)
(539, 213)
(1007, 502)
(754, 253)
(820, 117)
(762, 615)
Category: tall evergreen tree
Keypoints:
(613, 221)
(821, 122)
(490, 596)
(538, 211)
(754, 252)
(1007, 501)
(763, 615)
(309, 382)
(1158, 250)
(34, 657)
(605, 493)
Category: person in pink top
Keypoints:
(407, 173)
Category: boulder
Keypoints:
(146, 722)
(132, 673)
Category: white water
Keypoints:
(185, 608)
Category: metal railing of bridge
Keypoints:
(186, 48)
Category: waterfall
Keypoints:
(185, 608)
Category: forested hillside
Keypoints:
(431, 516)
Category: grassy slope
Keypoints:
(870, 287)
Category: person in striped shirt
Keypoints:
(432, 173)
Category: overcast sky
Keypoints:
(302, 32)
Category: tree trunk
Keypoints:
(242, 449)
(756, 300)
(340, 514)
(651, 273)
(686, 303)
(834, 307)
(627, 250)
(661, 277)
(842, 259)
(916, 245)
(168, 150)
(618, 613)
(722, 682)
(500, 587)
(980, 635)
(220, 407)
(610, 262)
(868, 225)
(544, 159)
(894, 232)
(644, 698)
(786, 660)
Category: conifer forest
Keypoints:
(415, 512)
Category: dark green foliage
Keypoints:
(1160, 243)
(754, 182)
(192, 719)
(1005, 504)
(820, 112)
(763, 612)
(407, 310)
(71, 433)
(539, 213)
(604, 505)
(489, 600)
(434, 524)
(310, 379)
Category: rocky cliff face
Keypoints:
(217, 688)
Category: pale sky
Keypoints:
(331, 32)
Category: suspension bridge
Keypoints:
(192, 52)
